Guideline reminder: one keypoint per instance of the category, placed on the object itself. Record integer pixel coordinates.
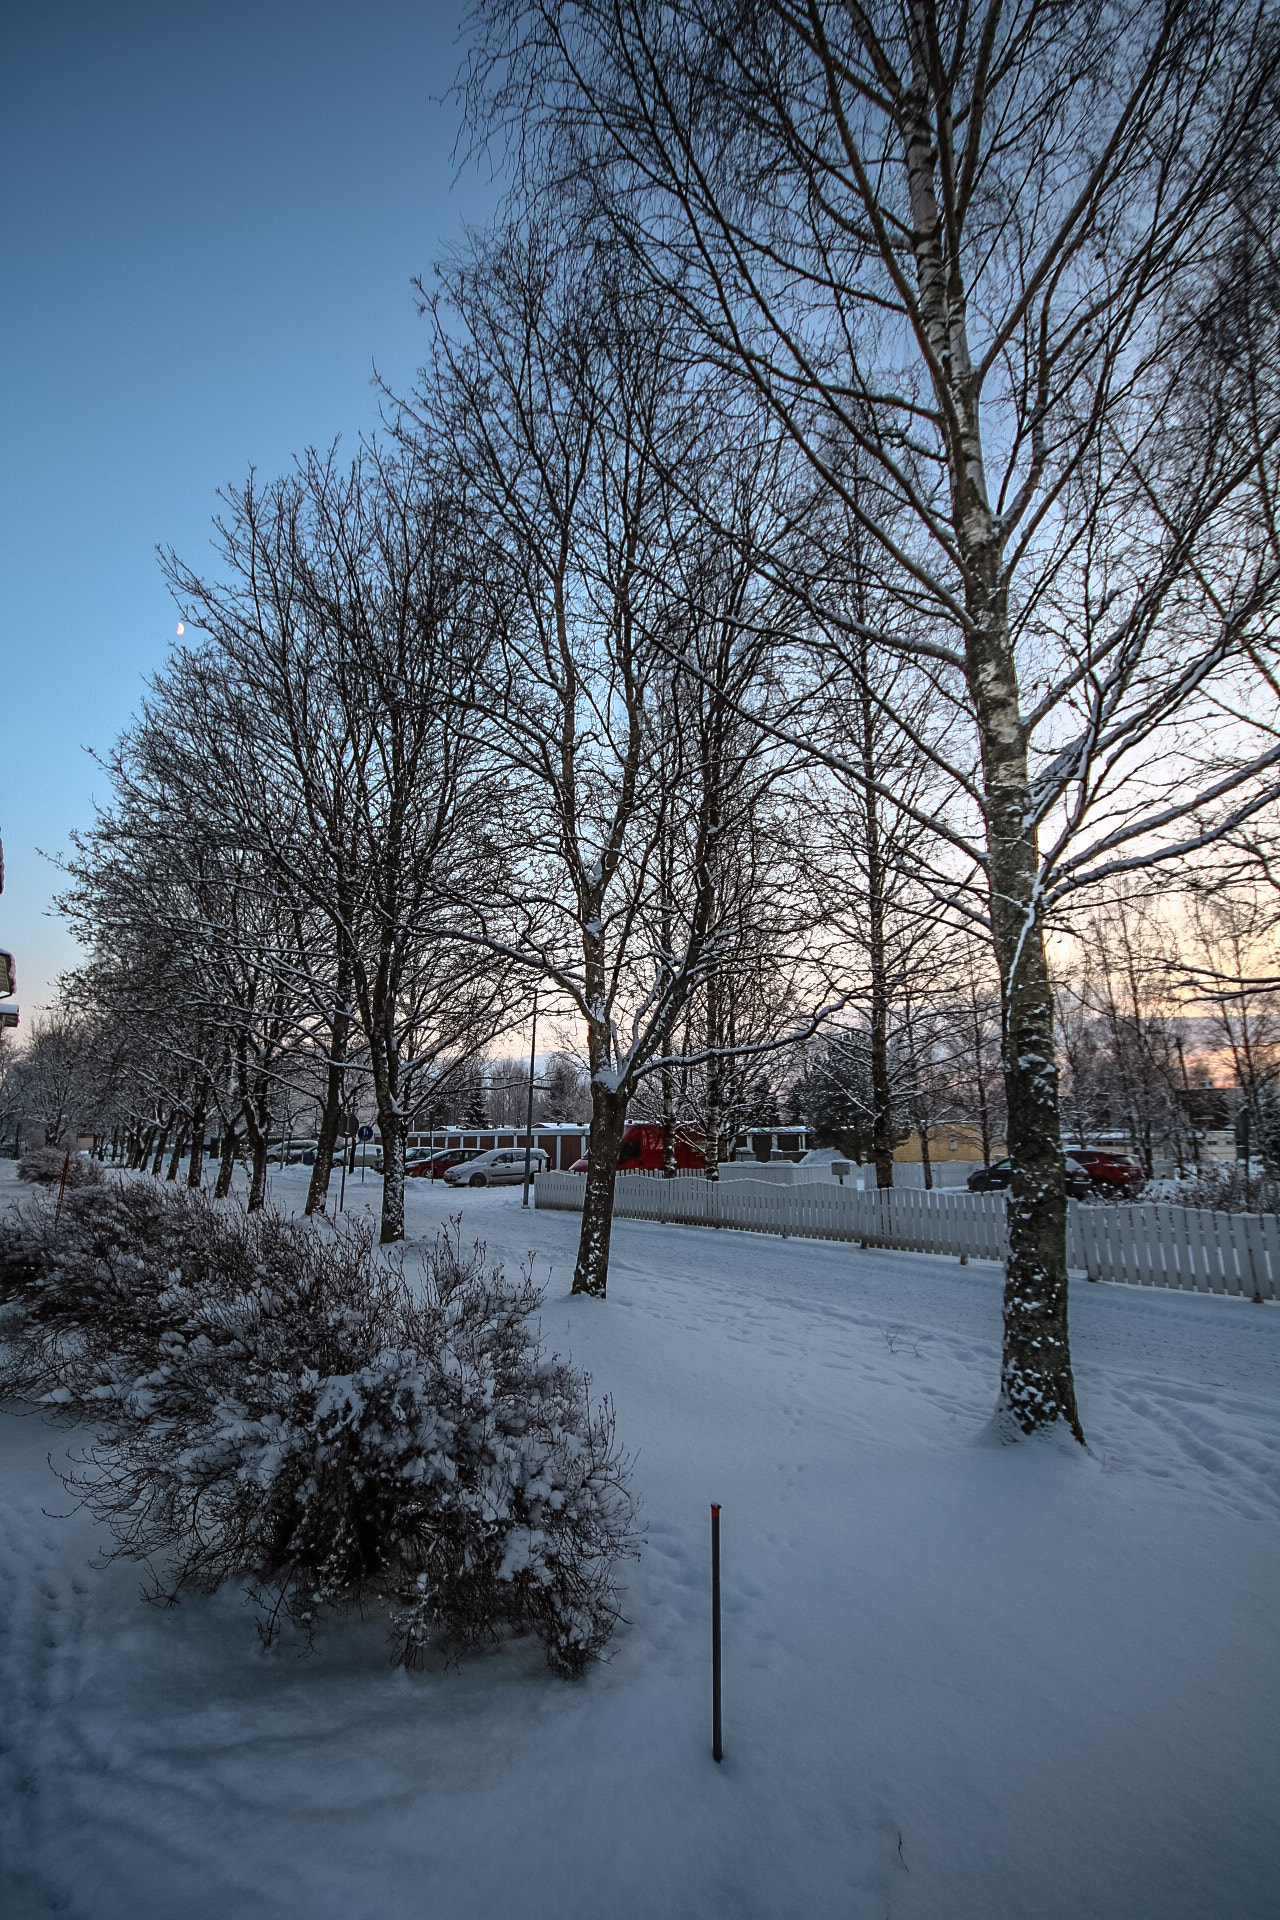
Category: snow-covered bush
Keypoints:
(1221, 1185)
(279, 1403)
(43, 1166)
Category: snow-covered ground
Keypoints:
(960, 1680)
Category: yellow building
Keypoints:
(958, 1141)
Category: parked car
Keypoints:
(415, 1158)
(499, 1167)
(433, 1166)
(299, 1153)
(641, 1150)
(999, 1176)
(1115, 1173)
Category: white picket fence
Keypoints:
(948, 1174)
(1195, 1248)
(1150, 1246)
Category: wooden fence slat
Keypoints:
(1197, 1251)
(1175, 1247)
(1271, 1237)
(1227, 1252)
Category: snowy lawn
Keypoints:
(960, 1680)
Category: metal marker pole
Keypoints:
(717, 1747)
(528, 1124)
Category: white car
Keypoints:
(500, 1167)
(295, 1155)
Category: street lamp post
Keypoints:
(528, 1119)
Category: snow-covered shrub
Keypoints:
(278, 1403)
(43, 1166)
(1219, 1184)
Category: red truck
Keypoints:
(641, 1150)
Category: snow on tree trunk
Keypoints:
(322, 1171)
(1036, 1385)
(881, 1098)
(226, 1164)
(199, 1121)
(392, 1127)
(668, 1116)
(715, 1077)
(608, 1115)
(327, 1140)
(258, 1176)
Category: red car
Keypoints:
(1090, 1175)
(641, 1150)
(1114, 1170)
(435, 1164)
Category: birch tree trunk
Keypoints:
(667, 1044)
(199, 1121)
(258, 1168)
(608, 1116)
(715, 1077)
(384, 1061)
(881, 1104)
(226, 1164)
(1036, 1384)
(980, 1077)
(327, 1140)
(321, 1173)
(668, 1117)
(392, 1128)
(256, 1124)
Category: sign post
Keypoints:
(528, 1118)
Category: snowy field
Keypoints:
(960, 1680)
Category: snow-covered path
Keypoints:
(960, 1680)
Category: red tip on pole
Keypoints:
(714, 1507)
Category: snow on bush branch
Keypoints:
(277, 1403)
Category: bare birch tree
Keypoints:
(564, 389)
(344, 640)
(983, 249)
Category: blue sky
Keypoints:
(210, 215)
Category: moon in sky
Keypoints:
(181, 628)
